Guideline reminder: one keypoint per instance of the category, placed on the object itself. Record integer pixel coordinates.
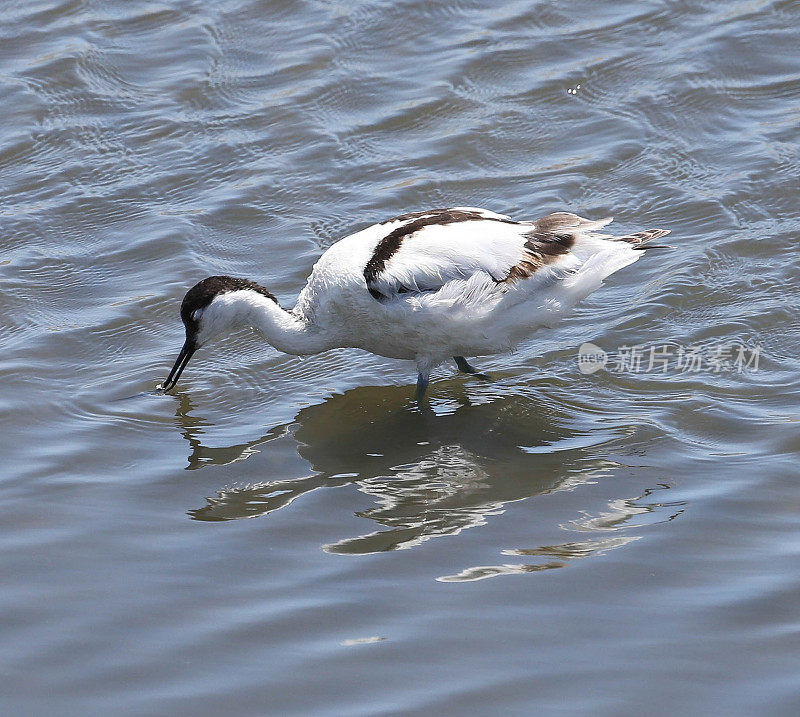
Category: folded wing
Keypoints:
(422, 252)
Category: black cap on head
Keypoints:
(204, 292)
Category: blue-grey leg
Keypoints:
(422, 385)
(466, 367)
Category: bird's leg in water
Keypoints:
(425, 365)
(466, 367)
(422, 385)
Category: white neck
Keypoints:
(287, 331)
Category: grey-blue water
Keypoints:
(552, 542)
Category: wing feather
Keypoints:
(430, 255)
(424, 251)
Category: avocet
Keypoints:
(428, 286)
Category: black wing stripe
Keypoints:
(390, 244)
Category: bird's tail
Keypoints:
(639, 239)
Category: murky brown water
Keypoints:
(552, 542)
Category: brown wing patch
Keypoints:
(551, 237)
(559, 220)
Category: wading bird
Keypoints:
(426, 286)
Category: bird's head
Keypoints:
(206, 313)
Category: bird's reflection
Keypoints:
(429, 473)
